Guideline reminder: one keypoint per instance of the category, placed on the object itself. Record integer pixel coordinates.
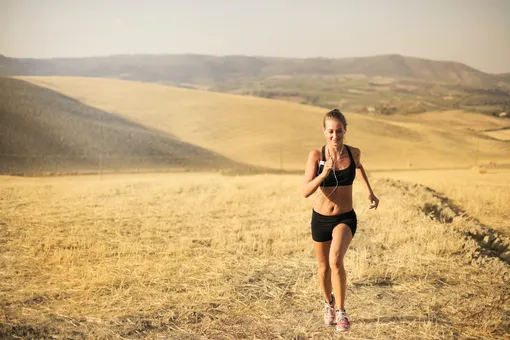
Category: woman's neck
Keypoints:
(336, 151)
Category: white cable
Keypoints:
(334, 174)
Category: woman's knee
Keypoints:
(336, 263)
(324, 269)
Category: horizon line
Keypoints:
(249, 56)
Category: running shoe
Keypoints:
(342, 321)
(329, 311)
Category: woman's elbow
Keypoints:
(306, 193)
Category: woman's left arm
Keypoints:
(374, 201)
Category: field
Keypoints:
(384, 84)
(483, 194)
(44, 132)
(201, 251)
(279, 135)
(205, 256)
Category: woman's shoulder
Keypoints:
(315, 154)
(354, 150)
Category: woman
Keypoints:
(334, 222)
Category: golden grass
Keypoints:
(483, 192)
(189, 255)
(278, 134)
(499, 134)
(467, 121)
(204, 256)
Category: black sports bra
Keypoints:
(345, 176)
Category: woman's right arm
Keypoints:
(311, 182)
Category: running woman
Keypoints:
(332, 169)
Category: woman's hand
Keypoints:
(374, 201)
(327, 167)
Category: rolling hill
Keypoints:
(386, 83)
(278, 134)
(42, 131)
(189, 68)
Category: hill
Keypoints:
(386, 83)
(44, 131)
(189, 68)
(278, 134)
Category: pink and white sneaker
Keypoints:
(342, 321)
(329, 311)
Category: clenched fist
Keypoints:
(328, 165)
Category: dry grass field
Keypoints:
(44, 132)
(278, 134)
(205, 256)
(482, 193)
(503, 134)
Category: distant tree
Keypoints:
(388, 109)
(315, 100)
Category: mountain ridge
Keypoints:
(384, 84)
(193, 65)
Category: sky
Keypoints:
(474, 32)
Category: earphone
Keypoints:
(334, 172)
(321, 162)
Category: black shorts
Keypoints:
(323, 225)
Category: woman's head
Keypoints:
(335, 126)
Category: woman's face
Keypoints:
(334, 132)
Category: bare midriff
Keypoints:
(338, 202)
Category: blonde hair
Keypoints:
(335, 114)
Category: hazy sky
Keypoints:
(475, 32)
